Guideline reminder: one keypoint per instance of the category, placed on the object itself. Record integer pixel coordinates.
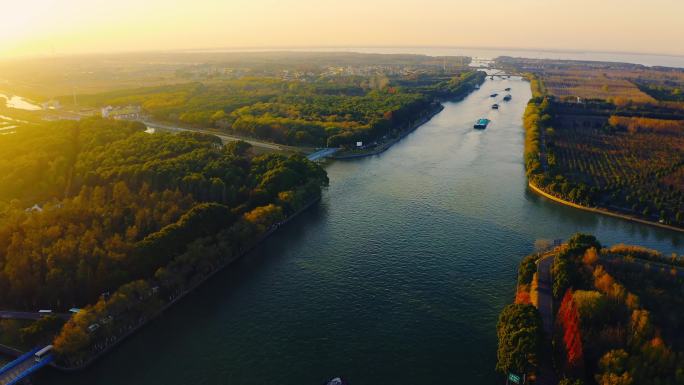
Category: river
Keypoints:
(397, 277)
(18, 102)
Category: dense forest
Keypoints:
(100, 212)
(329, 109)
(618, 315)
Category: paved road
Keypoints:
(547, 375)
(10, 314)
(17, 371)
(320, 154)
(224, 137)
(544, 291)
(8, 377)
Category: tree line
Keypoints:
(630, 165)
(322, 112)
(617, 321)
(115, 206)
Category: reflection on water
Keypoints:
(396, 277)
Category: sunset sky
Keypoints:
(43, 27)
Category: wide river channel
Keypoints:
(396, 277)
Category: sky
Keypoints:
(49, 27)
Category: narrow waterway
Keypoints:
(397, 277)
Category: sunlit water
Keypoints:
(397, 277)
(14, 101)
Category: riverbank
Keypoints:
(115, 341)
(386, 145)
(414, 298)
(556, 199)
(437, 107)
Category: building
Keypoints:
(34, 209)
(122, 113)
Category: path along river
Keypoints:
(397, 277)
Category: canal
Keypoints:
(397, 277)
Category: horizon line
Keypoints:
(342, 48)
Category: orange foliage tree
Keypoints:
(568, 320)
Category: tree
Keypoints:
(71, 341)
(569, 321)
(520, 334)
(613, 369)
(238, 147)
(265, 216)
(580, 242)
(528, 266)
(590, 256)
(568, 381)
(41, 331)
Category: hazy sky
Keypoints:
(43, 27)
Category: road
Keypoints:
(10, 376)
(17, 371)
(547, 375)
(10, 314)
(320, 154)
(544, 292)
(227, 138)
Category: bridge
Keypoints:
(27, 364)
(502, 74)
(321, 154)
(10, 314)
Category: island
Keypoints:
(584, 314)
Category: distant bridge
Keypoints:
(27, 364)
(502, 74)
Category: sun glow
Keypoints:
(43, 27)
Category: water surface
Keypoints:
(14, 101)
(397, 277)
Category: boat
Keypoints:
(495, 106)
(481, 124)
(507, 97)
(493, 95)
